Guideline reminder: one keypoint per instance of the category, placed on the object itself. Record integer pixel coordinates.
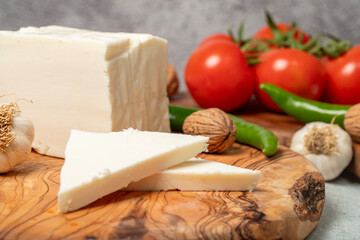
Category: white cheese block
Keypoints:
(97, 164)
(199, 175)
(86, 80)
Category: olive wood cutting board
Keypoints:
(287, 203)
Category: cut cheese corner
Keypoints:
(199, 175)
(97, 164)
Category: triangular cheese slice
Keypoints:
(199, 175)
(97, 164)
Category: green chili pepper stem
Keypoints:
(247, 133)
(303, 109)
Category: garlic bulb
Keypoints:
(328, 146)
(16, 137)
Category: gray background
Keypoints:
(184, 24)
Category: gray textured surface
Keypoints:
(184, 24)
(341, 214)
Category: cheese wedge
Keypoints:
(97, 164)
(86, 80)
(199, 175)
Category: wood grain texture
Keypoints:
(287, 204)
(278, 208)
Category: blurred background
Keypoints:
(183, 23)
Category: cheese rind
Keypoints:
(199, 175)
(86, 80)
(97, 164)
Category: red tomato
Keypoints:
(343, 78)
(217, 75)
(216, 37)
(292, 70)
(266, 33)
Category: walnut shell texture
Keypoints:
(172, 82)
(212, 123)
(352, 122)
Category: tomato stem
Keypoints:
(321, 45)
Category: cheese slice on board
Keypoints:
(97, 164)
(199, 175)
(86, 80)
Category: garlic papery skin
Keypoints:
(20, 147)
(330, 163)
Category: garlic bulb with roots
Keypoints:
(328, 146)
(16, 137)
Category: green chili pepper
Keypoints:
(247, 133)
(303, 109)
